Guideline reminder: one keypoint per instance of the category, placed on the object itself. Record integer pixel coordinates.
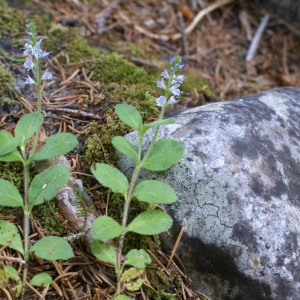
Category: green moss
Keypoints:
(10, 20)
(6, 82)
(46, 215)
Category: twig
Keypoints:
(256, 39)
(12, 259)
(34, 290)
(200, 15)
(184, 39)
(73, 111)
(175, 246)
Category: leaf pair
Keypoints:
(150, 191)
(26, 127)
(164, 154)
(42, 188)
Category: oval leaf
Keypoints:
(145, 127)
(129, 115)
(164, 154)
(151, 222)
(153, 191)
(9, 234)
(124, 146)
(9, 195)
(27, 126)
(103, 252)
(56, 145)
(137, 258)
(132, 279)
(42, 279)
(104, 228)
(12, 156)
(13, 273)
(52, 248)
(110, 177)
(7, 143)
(45, 185)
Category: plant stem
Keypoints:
(26, 225)
(39, 99)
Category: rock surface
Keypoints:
(239, 193)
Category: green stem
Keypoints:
(39, 102)
(2, 52)
(26, 226)
(119, 268)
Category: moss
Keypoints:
(6, 82)
(10, 20)
(46, 214)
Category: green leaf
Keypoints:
(137, 258)
(45, 185)
(132, 279)
(9, 234)
(129, 115)
(110, 177)
(122, 297)
(9, 195)
(103, 252)
(42, 279)
(56, 145)
(146, 127)
(3, 275)
(153, 191)
(52, 248)
(12, 156)
(150, 222)
(104, 228)
(27, 126)
(164, 154)
(7, 143)
(13, 273)
(124, 146)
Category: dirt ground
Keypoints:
(213, 37)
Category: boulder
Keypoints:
(238, 188)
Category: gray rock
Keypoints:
(239, 192)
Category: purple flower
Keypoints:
(37, 51)
(172, 60)
(173, 100)
(179, 66)
(29, 80)
(180, 78)
(39, 39)
(28, 64)
(161, 101)
(174, 89)
(44, 54)
(28, 48)
(160, 84)
(164, 74)
(47, 75)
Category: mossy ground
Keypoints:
(120, 82)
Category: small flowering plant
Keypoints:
(160, 156)
(43, 186)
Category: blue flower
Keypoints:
(161, 101)
(44, 54)
(28, 48)
(180, 78)
(174, 89)
(164, 74)
(37, 51)
(160, 84)
(29, 80)
(173, 100)
(47, 75)
(179, 66)
(172, 60)
(28, 64)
